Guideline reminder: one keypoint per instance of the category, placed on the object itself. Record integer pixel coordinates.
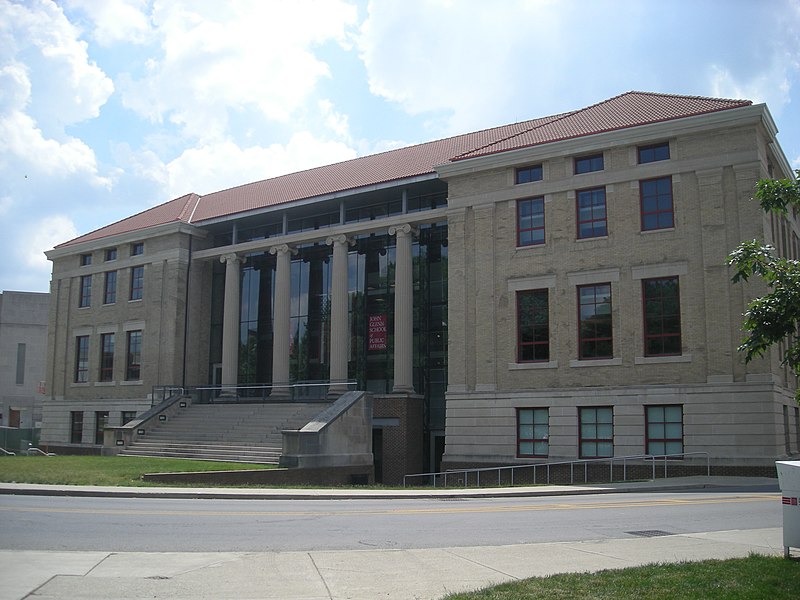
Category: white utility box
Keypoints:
(789, 480)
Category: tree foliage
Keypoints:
(774, 317)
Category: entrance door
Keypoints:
(377, 453)
(13, 417)
(216, 378)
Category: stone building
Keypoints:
(545, 290)
(23, 340)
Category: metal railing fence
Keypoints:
(461, 477)
(302, 391)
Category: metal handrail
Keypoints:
(253, 393)
(38, 451)
(547, 466)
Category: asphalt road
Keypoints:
(193, 525)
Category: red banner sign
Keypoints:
(377, 332)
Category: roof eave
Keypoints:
(604, 139)
(385, 185)
(125, 237)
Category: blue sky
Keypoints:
(109, 107)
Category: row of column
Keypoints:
(340, 330)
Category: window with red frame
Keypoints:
(664, 429)
(530, 221)
(595, 337)
(596, 432)
(107, 357)
(656, 204)
(662, 316)
(533, 432)
(133, 365)
(137, 283)
(591, 213)
(533, 326)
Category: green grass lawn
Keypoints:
(753, 578)
(101, 470)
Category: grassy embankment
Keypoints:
(101, 470)
(752, 578)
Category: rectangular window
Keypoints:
(86, 260)
(82, 359)
(594, 322)
(656, 203)
(587, 164)
(533, 326)
(530, 221)
(110, 288)
(797, 428)
(653, 153)
(137, 283)
(111, 254)
(528, 174)
(591, 210)
(128, 416)
(137, 248)
(21, 364)
(596, 432)
(75, 427)
(133, 363)
(533, 432)
(662, 316)
(664, 429)
(107, 357)
(85, 297)
(100, 422)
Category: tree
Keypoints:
(774, 317)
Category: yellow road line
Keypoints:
(408, 511)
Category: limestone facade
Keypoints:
(739, 413)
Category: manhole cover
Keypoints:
(650, 533)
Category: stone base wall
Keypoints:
(738, 424)
(329, 476)
(56, 418)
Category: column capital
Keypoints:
(339, 239)
(405, 229)
(232, 257)
(283, 248)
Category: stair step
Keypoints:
(226, 432)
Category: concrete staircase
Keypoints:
(227, 432)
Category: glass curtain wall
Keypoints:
(371, 266)
(309, 331)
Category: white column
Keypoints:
(230, 320)
(282, 312)
(340, 325)
(403, 309)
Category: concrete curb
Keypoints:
(676, 484)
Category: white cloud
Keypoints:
(771, 86)
(6, 202)
(25, 141)
(335, 121)
(43, 235)
(68, 87)
(55, 87)
(116, 20)
(214, 167)
(221, 57)
(463, 59)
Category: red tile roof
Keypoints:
(626, 110)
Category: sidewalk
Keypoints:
(357, 574)
(353, 574)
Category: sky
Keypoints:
(110, 107)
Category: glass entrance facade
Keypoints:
(371, 265)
